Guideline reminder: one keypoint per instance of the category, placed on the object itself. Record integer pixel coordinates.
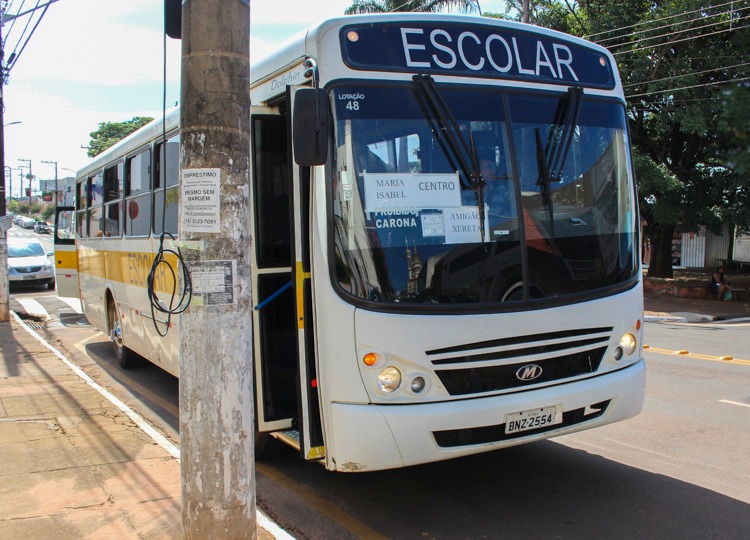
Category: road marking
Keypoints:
(687, 354)
(32, 307)
(734, 403)
(74, 303)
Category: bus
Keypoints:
(445, 254)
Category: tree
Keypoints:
(387, 6)
(677, 60)
(110, 133)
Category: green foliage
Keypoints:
(547, 13)
(109, 133)
(387, 6)
(689, 124)
(734, 129)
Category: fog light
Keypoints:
(618, 353)
(417, 384)
(389, 379)
(628, 344)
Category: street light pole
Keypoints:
(55, 163)
(30, 177)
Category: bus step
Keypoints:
(290, 437)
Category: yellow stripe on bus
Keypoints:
(301, 276)
(131, 268)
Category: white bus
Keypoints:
(445, 240)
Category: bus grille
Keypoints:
(496, 433)
(522, 351)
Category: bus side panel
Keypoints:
(91, 281)
(127, 276)
(66, 259)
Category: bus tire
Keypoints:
(125, 357)
(267, 446)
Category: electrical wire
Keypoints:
(641, 41)
(672, 77)
(16, 54)
(687, 87)
(700, 10)
(186, 294)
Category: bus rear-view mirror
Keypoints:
(310, 127)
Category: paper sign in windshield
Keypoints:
(385, 191)
(462, 225)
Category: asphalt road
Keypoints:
(680, 469)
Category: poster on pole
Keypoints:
(200, 200)
(213, 282)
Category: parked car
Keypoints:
(42, 227)
(28, 263)
(27, 222)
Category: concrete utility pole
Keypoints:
(216, 353)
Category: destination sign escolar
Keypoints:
(484, 51)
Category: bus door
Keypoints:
(66, 260)
(281, 287)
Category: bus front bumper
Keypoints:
(375, 436)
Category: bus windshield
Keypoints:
(545, 207)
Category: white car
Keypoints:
(27, 222)
(28, 263)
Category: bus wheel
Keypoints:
(125, 357)
(267, 446)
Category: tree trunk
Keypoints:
(661, 251)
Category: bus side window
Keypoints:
(137, 189)
(168, 169)
(81, 209)
(94, 209)
(113, 183)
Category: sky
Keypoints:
(92, 61)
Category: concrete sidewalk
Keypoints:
(77, 463)
(665, 307)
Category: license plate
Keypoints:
(30, 277)
(532, 419)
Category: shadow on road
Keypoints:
(541, 490)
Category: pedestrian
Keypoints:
(718, 284)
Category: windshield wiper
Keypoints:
(552, 161)
(464, 152)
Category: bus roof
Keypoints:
(270, 76)
(522, 49)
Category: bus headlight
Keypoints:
(627, 346)
(389, 379)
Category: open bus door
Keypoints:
(286, 397)
(66, 261)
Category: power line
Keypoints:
(686, 75)
(699, 10)
(672, 42)
(640, 41)
(687, 87)
(16, 54)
